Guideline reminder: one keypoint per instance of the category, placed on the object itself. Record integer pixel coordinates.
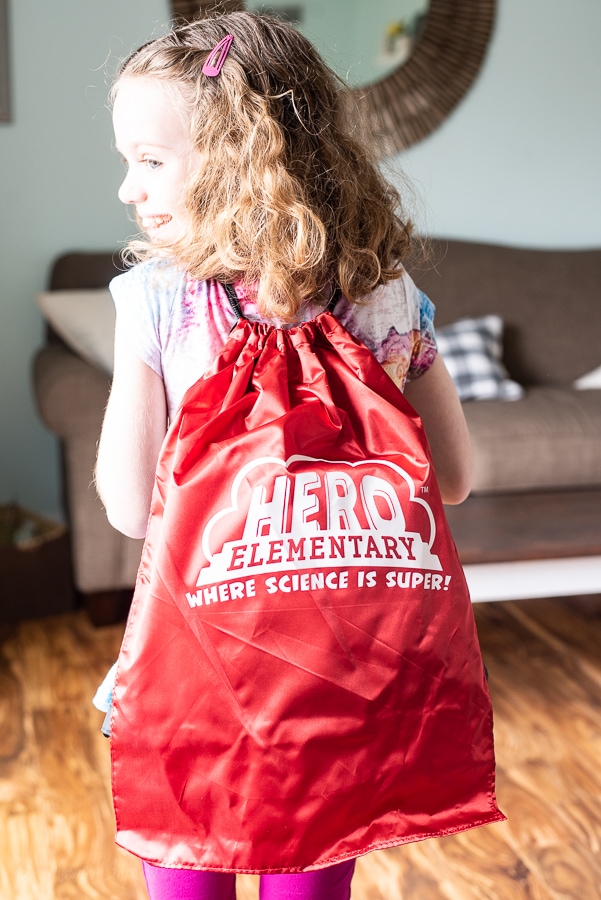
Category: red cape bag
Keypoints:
(300, 680)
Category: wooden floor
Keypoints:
(544, 660)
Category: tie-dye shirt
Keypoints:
(178, 325)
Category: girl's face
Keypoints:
(152, 137)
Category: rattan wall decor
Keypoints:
(411, 102)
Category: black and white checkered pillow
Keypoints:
(472, 351)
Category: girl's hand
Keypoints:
(434, 398)
(134, 427)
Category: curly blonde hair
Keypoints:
(290, 201)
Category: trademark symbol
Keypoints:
(424, 489)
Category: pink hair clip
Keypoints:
(217, 56)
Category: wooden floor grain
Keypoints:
(544, 660)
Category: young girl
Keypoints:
(242, 169)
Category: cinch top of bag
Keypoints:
(235, 303)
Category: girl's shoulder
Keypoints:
(146, 297)
(396, 323)
(397, 307)
(158, 278)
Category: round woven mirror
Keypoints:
(411, 102)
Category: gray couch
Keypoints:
(550, 303)
(537, 489)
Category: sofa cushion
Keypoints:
(85, 319)
(589, 382)
(549, 439)
(472, 350)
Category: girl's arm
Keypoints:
(134, 427)
(434, 398)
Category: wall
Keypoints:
(517, 162)
(58, 182)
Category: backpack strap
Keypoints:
(233, 298)
(334, 300)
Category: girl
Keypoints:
(241, 169)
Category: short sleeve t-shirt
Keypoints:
(178, 325)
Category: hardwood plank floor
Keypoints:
(544, 660)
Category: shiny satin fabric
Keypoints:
(300, 680)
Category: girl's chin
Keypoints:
(161, 235)
(160, 229)
(155, 235)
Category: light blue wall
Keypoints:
(58, 181)
(517, 162)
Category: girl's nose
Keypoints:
(131, 190)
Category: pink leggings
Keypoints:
(333, 883)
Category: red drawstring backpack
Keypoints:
(300, 680)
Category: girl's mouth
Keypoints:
(155, 221)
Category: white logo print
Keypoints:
(309, 514)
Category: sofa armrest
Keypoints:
(71, 397)
(60, 374)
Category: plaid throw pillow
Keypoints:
(472, 351)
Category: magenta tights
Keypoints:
(333, 883)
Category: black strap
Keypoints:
(233, 298)
(334, 300)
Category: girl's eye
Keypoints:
(152, 163)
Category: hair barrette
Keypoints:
(217, 56)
